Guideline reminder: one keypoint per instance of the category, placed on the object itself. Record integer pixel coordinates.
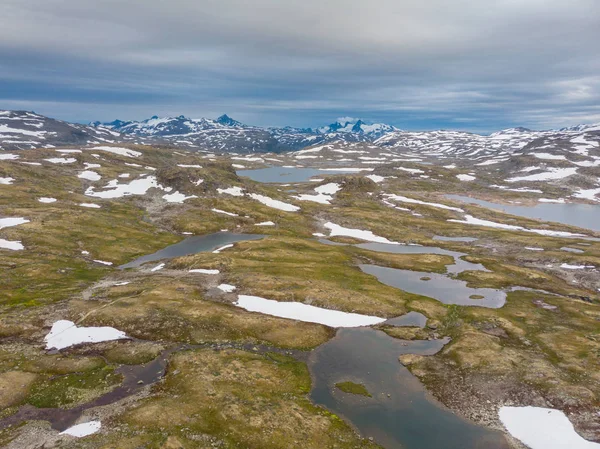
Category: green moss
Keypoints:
(353, 388)
(72, 389)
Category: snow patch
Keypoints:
(306, 313)
(551, 174)
(89, 175)
(204, 271)
(227, 288)
(276, 204)
(119, 150)
(542, 428)
(83, 430)
(337, 230)
(233, 191)
(14, 245)
(65, 333)
(219, 211)
(404, 199)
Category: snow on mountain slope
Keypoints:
(22, 130)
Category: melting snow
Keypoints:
(65, 333)
(234, 191)
(588, 194)
(469, 219)
(159, 267)
(375, 178)
(219, 211)
(550, 157)
(551, 174)
(204, 271)
(265, 223)
(47, 200)
(120, 151)
(306, 313)
(61, 160)
(404, 199)
(177, 197)
(90, 205)
(337, 230)
(324, 194)
(550, 200)
(543, 428)
(575, 267)
(89, 175)
(12, 221)
(135, 187)
(8, 156)
(83, 430)
(218, 250)
(6, 181)
(227, 288)
(414, 171)
(465, 177)
(276, 204)
(13, 245)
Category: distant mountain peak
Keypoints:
(228, 121)
(357, 128)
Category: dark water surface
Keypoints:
(193, 245)
(400, 413)
(443, 288)
(459, 266)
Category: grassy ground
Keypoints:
(353, 388)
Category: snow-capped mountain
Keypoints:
(372, 131)
(227, 134)
(583, 128)
(21, 130)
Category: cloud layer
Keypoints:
(441, 63)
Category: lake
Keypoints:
(586, 216)
(193, 245)
(438, 286)
(400, 413)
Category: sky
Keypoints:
(476, 65)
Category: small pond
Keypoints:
(438, 286)
(410, 319)
(400, 413)
(193, 245)
(459, 264)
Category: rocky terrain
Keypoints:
(214, 347)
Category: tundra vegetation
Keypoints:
(238, 378)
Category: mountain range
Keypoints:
(23, 129)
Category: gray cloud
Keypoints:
(451, 63)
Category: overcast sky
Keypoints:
(477, 65)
